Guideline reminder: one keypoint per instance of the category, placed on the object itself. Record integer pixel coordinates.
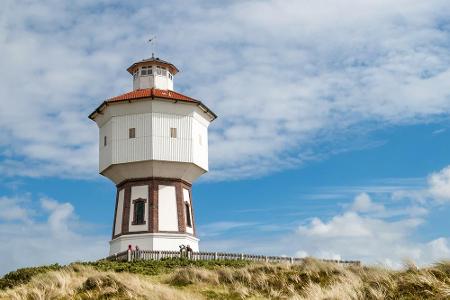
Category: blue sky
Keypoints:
(332, 137)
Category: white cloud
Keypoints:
(369, 238)
(10, 210)
(345, 236)
(367, 229)
(283, 76)
(438, 249)
(28, 240)
(363, 203)
(439, 183)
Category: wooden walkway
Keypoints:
(134, 255)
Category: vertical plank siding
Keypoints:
(152, 139)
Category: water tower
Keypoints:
(153, 145)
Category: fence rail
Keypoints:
(134, 255)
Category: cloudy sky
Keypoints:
(332, 140)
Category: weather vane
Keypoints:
(152, 42)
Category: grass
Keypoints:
(155, 267)
(183, 279)
(24, 275)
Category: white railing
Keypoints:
(134, 255)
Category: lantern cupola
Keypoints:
(153, 73)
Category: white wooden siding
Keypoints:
(200, 150)
(153, 141)
(166, 147)
(105, 151)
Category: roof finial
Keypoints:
(152, 42)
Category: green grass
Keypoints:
(147, 267)
(157, 267)
(24, 275)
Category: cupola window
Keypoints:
(105, 141)
(161, 71)
(145, 71)
(135, 75)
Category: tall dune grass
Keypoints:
(308, 280)
(85, 282)
(319, 280)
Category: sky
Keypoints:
(332, 140)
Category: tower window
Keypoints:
(105, 141)
(187, 208)
(146, 71)
(132, 133)
(161, 71)
(173, 132)
(139, 211)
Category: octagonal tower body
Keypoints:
(153, 145)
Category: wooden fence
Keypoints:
(134, 255)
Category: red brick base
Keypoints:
(153, 184)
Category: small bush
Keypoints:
(21, 276)
(103, 287)
(157, 267)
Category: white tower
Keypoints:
(153, 145)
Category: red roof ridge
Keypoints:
(152, 93)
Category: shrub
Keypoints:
(24, 275)
(156, 267)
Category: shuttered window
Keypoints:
(173, 132)
(139, 212)
(132, 133)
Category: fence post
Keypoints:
(215, 255)
(291, 259)
(158, 255)
(129, 255)
(242, 256)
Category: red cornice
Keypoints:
(146, 93)
(150, 94)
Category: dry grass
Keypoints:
(309, 280)
(84, 282)
(318, 280)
